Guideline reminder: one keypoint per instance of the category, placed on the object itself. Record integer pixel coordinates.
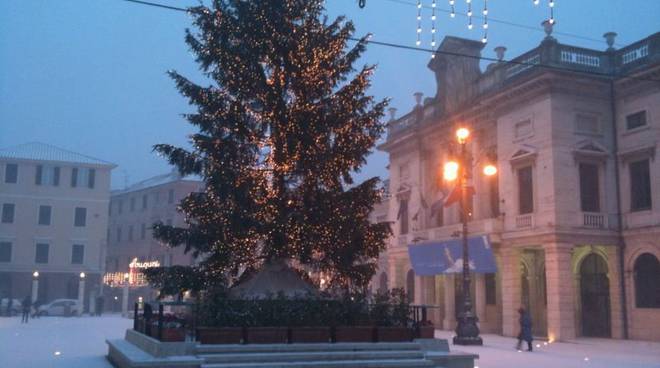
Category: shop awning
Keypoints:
(435, 257)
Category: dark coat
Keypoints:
(525, 327)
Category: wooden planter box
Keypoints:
(310, 334)
(426, 332)
(220, 335)
(267, 335)
(354, 334)
(394, 334)
(172, 334)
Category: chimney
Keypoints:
(499, 51)
(418, 98)
(609, 38)
(392, 111)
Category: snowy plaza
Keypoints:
(80, 342)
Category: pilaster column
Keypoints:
(511, 290)
(450, 305)
(616, 304)
(561, 301)
(480, 296)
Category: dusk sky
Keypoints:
(89, 76)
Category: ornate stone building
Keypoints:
(573, 215)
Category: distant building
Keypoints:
(133, 211)
(53, 220)
(573, 215)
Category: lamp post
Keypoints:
(81, 293)
(467, 331)
(35, 286)
(124, 301)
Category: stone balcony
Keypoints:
(492, 227)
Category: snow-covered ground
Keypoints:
(80, 343)
(499, 352)
(58, 342)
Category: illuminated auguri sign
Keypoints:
(135, 264)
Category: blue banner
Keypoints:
(435, 257)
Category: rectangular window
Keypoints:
(640, 185)
(144, 202)
(91, 178)
(41, 255)
(636, 120)
(8, 213)
(170, 196)
(47, 175)
(44, 215)
(74, 177)
(80, 217)
(143, 231)
(403, 216)
(494, 196)
(77, 254)
(11, 173)
(589, 188)
(525, 191)
(490, 289)
(132, 206)
(5, 251)
(118, 234)
(130, 233)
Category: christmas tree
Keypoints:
(282, 126)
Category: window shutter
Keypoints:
(91, 178)
(37, 178)
(74, 177)
(56, 176)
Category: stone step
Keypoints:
(311, 356)
(320, 347)
(399, 363)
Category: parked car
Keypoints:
(16, 306)
(61, 307)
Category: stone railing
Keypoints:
(593, 220)
(525, 221)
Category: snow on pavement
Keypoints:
(499, 352)
(59, 342)
(80, 343)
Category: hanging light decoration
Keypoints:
(419, 23)
(551, 5)
(469, 13)
(453, 10)
(433, 23)
(485, 25)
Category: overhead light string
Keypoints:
(469, 13)
(433, 23)
(485, 25)
(419, 23)
(551, 5)
(453, 10)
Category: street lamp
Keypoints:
(467, 331)
(81, 293)
(35, 286)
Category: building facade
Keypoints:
(573, 214)
(131, 245)
(54, 217)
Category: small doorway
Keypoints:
(595, 297)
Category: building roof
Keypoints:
(153, 181)
(38, 151)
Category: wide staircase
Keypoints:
(338, 355)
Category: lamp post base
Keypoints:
(467, 332)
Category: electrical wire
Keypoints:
(448, 53)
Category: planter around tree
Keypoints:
(354, 334)
(267, 335)
(426, 331)
(310, 334)
(172, 335)
(394, 334)
(220, 335)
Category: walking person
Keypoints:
(27, 305)
(525, 329)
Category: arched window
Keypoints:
(410, 286)
(647, 281)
